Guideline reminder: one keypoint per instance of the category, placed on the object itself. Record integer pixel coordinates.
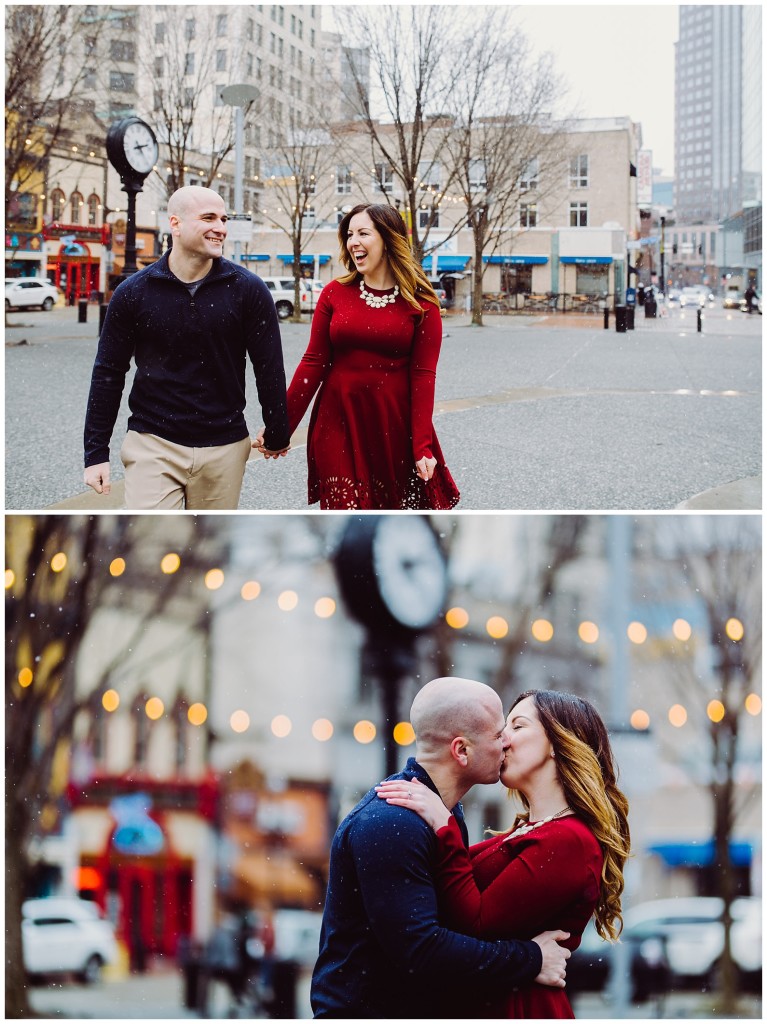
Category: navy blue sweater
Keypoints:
(190, 355)
(383, 953)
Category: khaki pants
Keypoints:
(161, 474)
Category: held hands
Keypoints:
(416, 797)
(267, 453)
(555, 959)
(425, 468)
(98, 478)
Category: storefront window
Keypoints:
(591, 278)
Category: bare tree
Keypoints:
(58, 578)
(46, 50)
(184, 74)
(298, 179)
(503, 145)
(414, 76)
(720, 563)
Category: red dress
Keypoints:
(372, 421)
(544, 880)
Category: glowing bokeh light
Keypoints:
(110, 701)
(25, 677)
(59, 562)
(10, 578)
(250, 590)
(715, 710)
(117, 567)
(734, 629)
(677, 715)
(640, 720)
(753, 704)
(636, 632)
(154, 708)
(364, 732)
(170, 563)
(542, 630)
(457, 618)
(682, 630)
(281, 726)
(403, 734)
(197, 714)
(214, 579)
(588, 632)
(497, 627)
(322, 730)
(239, 721)
(324, 607)
(287, 601)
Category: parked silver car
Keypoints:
(283, 293)
(62, 935)
(26, 292)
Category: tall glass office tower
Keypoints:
(718, 111)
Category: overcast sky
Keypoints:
(618, 60)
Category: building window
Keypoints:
(89, 78)
(93, 210)
(159, 32)
(529, 177)
(221, 25)
(579, 215)
(76, 205)
(343, 180)
(579, 171)
(528, 215)
(121, 81)
(121, 49)
(309, 216)
(477, 175)
(57, 205)
(429, 175)
(190, 28)
(158, 67)
(189, 64)
(188, 97)
(428, 218)
(383, 178)
(220, 60)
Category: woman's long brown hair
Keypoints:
(587, 772)
(413, 282)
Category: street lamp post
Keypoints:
(239, 96)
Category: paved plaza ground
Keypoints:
(534, 413)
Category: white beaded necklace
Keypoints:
(526, 827)
(377, 301)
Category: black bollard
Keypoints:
(620, 319)
(630, 318)
(607, 317)
(82, 311)
(700, 320)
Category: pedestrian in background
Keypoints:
(372, 356)
(189, 321)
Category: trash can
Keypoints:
(630, 317)
(620, 319)
(82, 311)
(650, 307)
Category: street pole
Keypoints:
(663, 256)
(238, 96)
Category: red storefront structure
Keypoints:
(141, 878)
(74, 266)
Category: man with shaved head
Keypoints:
(383, 952)
(189, 322)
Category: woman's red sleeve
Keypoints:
(524, 897)
(314, 365)
(423, 375)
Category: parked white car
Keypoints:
(694, 935)
(283, 293)
(63, 935)
(25, 292)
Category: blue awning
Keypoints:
(515, 259)
(446, 263)
(306, 257)
(586, 259)
(255, 257)
(700, 854)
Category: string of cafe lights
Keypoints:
(365, 731)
